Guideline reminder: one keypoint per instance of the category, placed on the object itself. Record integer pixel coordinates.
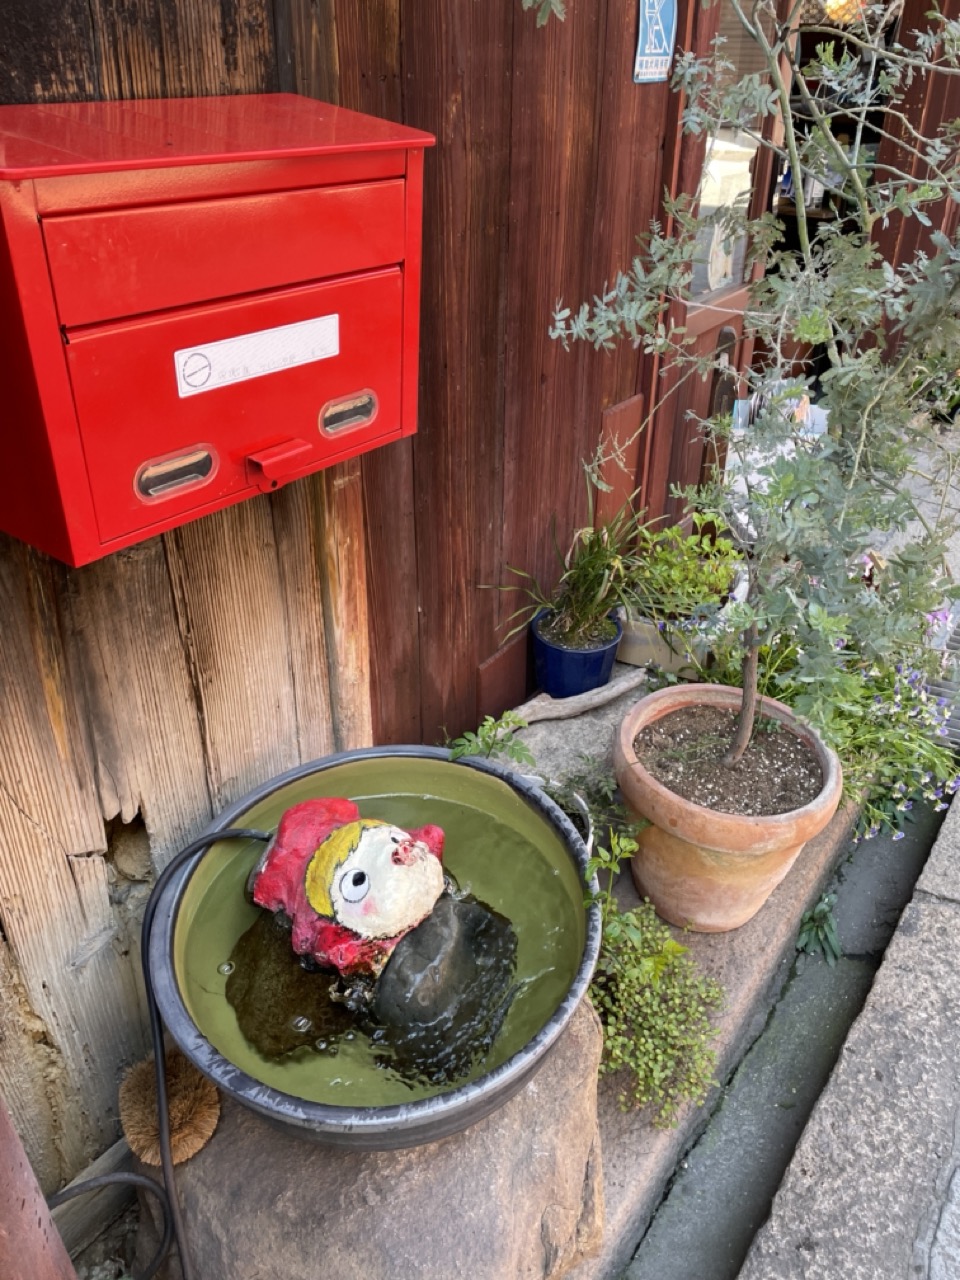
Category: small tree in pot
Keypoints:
(810, 506)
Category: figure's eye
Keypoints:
(354, 886)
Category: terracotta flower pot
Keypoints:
(699, 867)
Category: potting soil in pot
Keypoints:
(684, 751)
(517, 939)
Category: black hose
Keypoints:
(134, 1180)
(167, 1194)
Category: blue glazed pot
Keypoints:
(563, 672)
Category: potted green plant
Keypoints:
(805, 507)
(576, 628)
(683, 582)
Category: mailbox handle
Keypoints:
(270, 467)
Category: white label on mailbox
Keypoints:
(253, 355)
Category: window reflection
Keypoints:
(728, 174)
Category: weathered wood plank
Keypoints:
(306, 48)
(181, 48)
(632, 120)
(554, 157)
(393, 592)
(31, 1077)
(130, 668)
(232, 621)
(45, 768)
(30, 1248)
(456, 78)
(297, 519)
(368, 39)
(38, 68)
(82, 1220)
(55, 916)
(371, 81)
(345, 603)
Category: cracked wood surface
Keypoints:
(158, 684)
(162, 682)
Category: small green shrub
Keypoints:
(494, 739)
(682, 575)
(654, 1004)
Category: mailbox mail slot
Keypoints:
(188, 330)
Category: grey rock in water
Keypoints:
(447, 988)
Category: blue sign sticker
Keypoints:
(655, 41)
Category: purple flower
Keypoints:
(899, 835)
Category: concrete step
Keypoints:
(722, 1192)
(873, 1189)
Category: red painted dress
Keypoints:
(351, 886)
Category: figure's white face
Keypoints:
(386, 885)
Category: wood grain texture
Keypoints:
(46, 772)
(130, 668)
(306, 48)
(74, 1011)
(368, 44)
(232, 621)
(30, 1074)
(632, 121)
(182, 48)
(298, 523)
(457, 83)
(393, 591)
(345, 603)
(30, 1248)
(57, 920)
(554, 147)
(39, 67)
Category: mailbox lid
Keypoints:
(182, 412)
(125, 262)
(44, 139)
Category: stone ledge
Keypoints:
(517, 1195)
(751, 963)
(941, 875)
(873, 1190)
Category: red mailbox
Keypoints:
(201, 299)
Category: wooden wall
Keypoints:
(139, 695)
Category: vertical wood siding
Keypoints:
(157, 685)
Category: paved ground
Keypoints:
(722, 1192)
(873, 1190)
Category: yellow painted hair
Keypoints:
(331, 854)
